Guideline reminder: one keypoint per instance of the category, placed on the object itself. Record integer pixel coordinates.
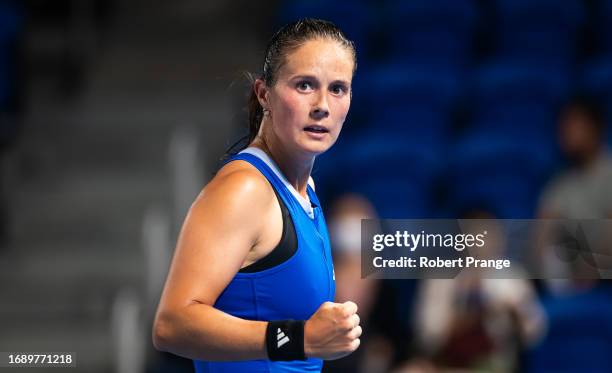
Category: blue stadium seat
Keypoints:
(539, 28)
(435, 32)
(413, 100)
(579, 337)
(596, 80)
(518, 100)
(502, 174)
(11, 23)
(393, 172)
(11, 20)
(603, 26)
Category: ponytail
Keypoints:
(255, 115)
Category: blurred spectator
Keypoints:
(577, 307)
(582, 190)
(475, 322)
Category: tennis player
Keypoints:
(251, 285)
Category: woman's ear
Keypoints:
(261, 91)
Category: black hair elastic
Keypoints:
(285, 340)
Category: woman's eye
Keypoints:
(304, 86)
(338, 89)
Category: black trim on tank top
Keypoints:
(285, 249)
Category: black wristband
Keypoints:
(285, 340)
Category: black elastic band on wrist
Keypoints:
(285, 340)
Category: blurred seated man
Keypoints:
(584, 189)
(579, 305)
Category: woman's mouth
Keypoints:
(316, 129)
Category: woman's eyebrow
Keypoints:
(340, 81)
(311, 77)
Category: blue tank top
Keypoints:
(293, 289)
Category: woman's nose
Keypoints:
(320, 110)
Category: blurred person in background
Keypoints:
(582, 189)
(345, 234)
(473, 322)
(578, 304)
(251, 285)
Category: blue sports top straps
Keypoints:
(293, 289)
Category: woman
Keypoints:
(251, 285)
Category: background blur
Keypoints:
(114, 114)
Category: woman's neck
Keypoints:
(296, 169)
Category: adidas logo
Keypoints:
(281, 338)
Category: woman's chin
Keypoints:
(317, 144)
(316, 148)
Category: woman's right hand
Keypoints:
(333, 331)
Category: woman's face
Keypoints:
(311, 96)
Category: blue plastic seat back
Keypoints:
(579, 337)
(394, 173)
(596, 80)
(538, 29)
(497, 172)
(519, 98)
(408, 99)
(440, 32)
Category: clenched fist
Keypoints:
(333, 331)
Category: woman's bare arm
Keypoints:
(223, 224)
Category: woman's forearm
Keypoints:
(200, 331)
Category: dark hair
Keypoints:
(283, 42)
